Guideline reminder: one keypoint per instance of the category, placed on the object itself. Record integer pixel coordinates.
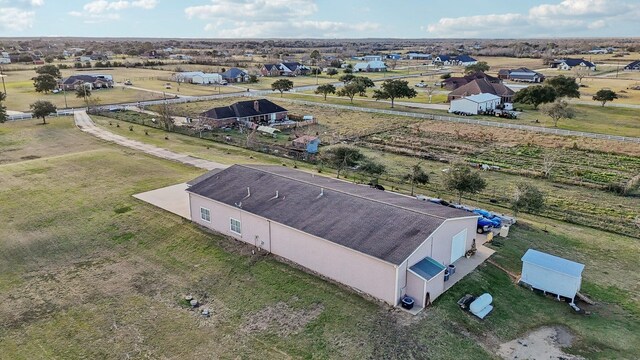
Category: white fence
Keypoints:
(463, 120)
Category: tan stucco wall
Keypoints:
(349, 267)
(415, 288)
(435, 286)
(438, 247)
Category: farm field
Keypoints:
(88, 271)
(589, 118)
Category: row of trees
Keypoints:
(460, 178)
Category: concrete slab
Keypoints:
(465, 266)
(172, 198)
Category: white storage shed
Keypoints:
(475, 104)
(551, 273)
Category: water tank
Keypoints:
(504, 231)
(480, 303)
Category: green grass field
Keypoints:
(87, 271)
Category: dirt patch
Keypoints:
(543, 343)
(282, 318)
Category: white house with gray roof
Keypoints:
(380, 243)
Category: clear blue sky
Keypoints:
(321, 18)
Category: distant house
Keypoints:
(186, 76)
(235, 75)
(270, 70)
(207, 78)
(293, 69)
(368, 58)
(5, 60)
(394, 56)
(475, 104)
(419, 56)
(180, 57)
(465, 60)
(371, 66)
(455, 82)
(83, 58)
(633, 66)
(454, 60)
(521, 74)
(568, 64)
(250, 113)
(93, 82)
(308, 143)
(483, 86)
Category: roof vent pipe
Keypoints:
(321, 193)
(275, 197)
(248, 193)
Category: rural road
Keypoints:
(84, 123)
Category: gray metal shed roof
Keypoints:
(554, 263)
(378, 223)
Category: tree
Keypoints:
(445, 76)
(253, 79)
(557, 110)
(604, 95)
(581, 72)
(3, 109)
(564, 86)
(535, 95)
(282, 85)
(347, 70)
(83, 92)
(347, 78)
(416, 176)
(49, 59)
(341, 157)
(372, 168)
(357, 86)
(392, 89)
(462, 180)
(527, 197)
(315, 58)
(49, 69)
(42, 109)
(166, 117)
(481, 66)
(332, 71)
(44, 83)
(325, 90)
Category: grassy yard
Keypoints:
(87, 271)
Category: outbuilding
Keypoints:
(475, 104)
(551, 273)
(380, 243)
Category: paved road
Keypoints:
(84, 123)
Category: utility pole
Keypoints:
(4, 87)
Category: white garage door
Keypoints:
(458, 245)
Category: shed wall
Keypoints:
(550, 281)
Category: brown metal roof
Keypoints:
(382, 224)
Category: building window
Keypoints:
(235, 226)
(205, 214)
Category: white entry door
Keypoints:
(458, 245)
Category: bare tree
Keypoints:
(548, 163)
(581, 72)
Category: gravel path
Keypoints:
(84, 123)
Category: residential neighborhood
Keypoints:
(317, 180)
